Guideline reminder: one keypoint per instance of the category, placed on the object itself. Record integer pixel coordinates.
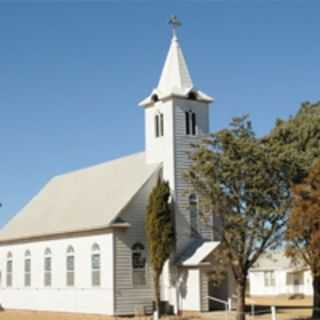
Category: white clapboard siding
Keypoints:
(183, 147)
(128, 297)
(204, 291)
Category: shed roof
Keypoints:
(197, 252)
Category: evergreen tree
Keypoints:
(296, 142)
(238, 180)
(159, 228)
(246, 183)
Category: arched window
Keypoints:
(95, 265)
(9, 270)
(70, 262)
(138, 259)
(27, 269)
(159, 125)
(193, 207)
(191, 123)
(47, 268)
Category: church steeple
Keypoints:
(175, 79)
(175, 76)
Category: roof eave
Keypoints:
(64, 234)
(148, 102)
(198, 265)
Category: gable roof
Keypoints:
(276, 260)
(82, 200)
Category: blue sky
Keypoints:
(71, 75)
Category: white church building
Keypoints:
(79, 245)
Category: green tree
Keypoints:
(246, 182)
(303, 233)
(238, 180)
(159, 228)
(297, 142)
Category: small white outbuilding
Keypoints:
(276, 274)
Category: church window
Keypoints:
(191, 123)
(187, 123)
(27, 269)
(70, 262)
(156, 125)
(159, 125)
(9, 269)
(95, 266)
(193, 207)
(138, 260)
(47, 268)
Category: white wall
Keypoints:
(161, 149)
(81, 298)
(308, 289)
(282, 287)
(189, 290)
(172, 150)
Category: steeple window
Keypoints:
(191, 123)
(159, 125)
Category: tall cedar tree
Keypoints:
(303, 233)
(159, 228)
(238, 180)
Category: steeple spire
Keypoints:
(175, 76)
(175, 79)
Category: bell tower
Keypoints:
(176, 115)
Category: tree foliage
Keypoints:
(246, 183)
(297, 142)
(303, 233)
(159, 228)
(239, 181)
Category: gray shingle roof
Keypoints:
(275, 260)
(82, 200)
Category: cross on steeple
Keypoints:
(175, 23)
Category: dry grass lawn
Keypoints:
(280, 301)
(37, 315)
(282, 314)
(287, 314)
